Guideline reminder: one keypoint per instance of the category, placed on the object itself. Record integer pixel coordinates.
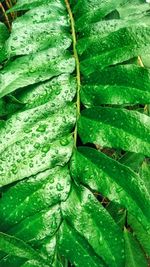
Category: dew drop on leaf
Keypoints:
(41, 128)
(59, 187)
(45, 148)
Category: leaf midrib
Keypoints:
(78, 74)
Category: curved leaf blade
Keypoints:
(28, 37)
(57, 91)
(32, 195)
(16, 247)
(139, 232)
(34, 68)
(112, 180)
(75, 248)
(27, 4)
(117, 47)
(4, 34)
(25, 156)
(98, 222)
(134, 255)
(117, 128)
(39, 226)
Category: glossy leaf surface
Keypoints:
(98, 221)
(113, 180)
(117, 128)
(72, 75)
(4, 34)
(76, 248)
(16, 247)
(134, 254)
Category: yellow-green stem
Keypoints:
(9, 5)
(77, 65)
(140, 62)
(5, 15)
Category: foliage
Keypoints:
(74, 133)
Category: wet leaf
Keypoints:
(75, 248)
(134, 254)
(116, 128)
(62, 59)
(16, 247)
(113, 180)
(90, 217)
(4, 34)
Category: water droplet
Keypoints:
(89, 196)
(27, 130)
(14, 169)
(46, 148)
(59, 187)
(36, 145)
(41, 128)
(12, 48)
(64, 141)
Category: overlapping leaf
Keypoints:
(37, 30)
(4, 34)
(36, 141)
(19, 249)
(107, 48)
(89, 217)
(134, 254)
(33, 195)
(123, 84)
(75, 248)
(140, 233)
(113, 180)
(117, 128)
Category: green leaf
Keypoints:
(51, 31)
(117, 128)
(134, 8)
(35, 68)
(139, 232)
(9, 105)
(146, 60)
(19, 262)
(93, 11)
(4, 34)
(64, 56)
(128, 75)
(113, 180)
(145, 174)
(132, 160)
(134, 255)
(27, 4)
(75, 248)
(90, 217)
(48, 248)
(105, 27)
(39, 226)
(31, 263)
(119, 85)
(32, 195)
(57, 91)
(16, 247)
(11, 261)
(95, 95)
(117, 47)
(26, 151)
